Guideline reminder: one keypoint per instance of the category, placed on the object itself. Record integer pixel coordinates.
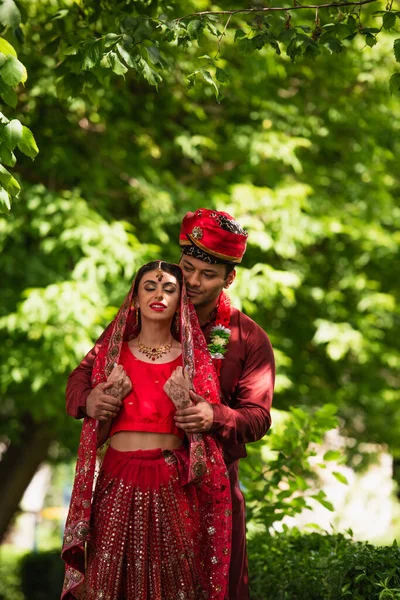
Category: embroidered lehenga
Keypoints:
(158, 525)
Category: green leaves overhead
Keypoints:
(149, 35)
(12, 133)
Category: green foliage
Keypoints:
(291, 566)
(12, 133)
(10, 581)
(304, 154)
(42, 575)
(277, 476)
(94, 42)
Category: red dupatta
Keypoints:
(206, 469)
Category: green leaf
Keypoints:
(12, 133)
(396, 48)
(194, 28)
(124, 54)
(370, 40)
(334, 44)
(305, 28)
(5, 201)
(13, 71)
(60, 14)
(27, 143)
(72, 50)
(91, 56)
(152, 76)
(340, 477)
(8, 94)
(239, 33)
(394, 83)
(221, 75)
(332, 455)
(10, 15)
(389, 20)
(9, 182)
(321, 498)
(6, 156)
(209, 79)
(6, 48)
(2, 59)
(191, 80)
(116, 64)
(111, 39)
(105, 62)
(154, 55)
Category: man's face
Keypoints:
(204, 282)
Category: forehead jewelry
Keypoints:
(159, 272)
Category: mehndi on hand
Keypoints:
(177, 388)
(121, 383)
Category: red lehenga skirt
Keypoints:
(145, 541)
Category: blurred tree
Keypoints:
(303, 154)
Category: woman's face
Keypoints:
(158, 300)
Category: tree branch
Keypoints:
(276, 8)
(222, 34)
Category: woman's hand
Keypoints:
(178, 387)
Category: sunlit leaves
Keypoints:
(396, 49)
(10, 15)
(340, 339)
(389, 20)
(208, 78)
(12, 134)
(13, 71)
(278, 476)
(27, 143)
(7, 94)
(10, 188)
(394, 83)
(6, 48)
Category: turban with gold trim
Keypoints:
(212, 236)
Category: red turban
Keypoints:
(212, 236)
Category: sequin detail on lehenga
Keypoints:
(144, 532)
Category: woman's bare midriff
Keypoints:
(126, 441)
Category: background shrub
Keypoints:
(291, 566)
(42, 575)
(10, 584)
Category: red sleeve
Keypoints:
(79, 383)
(248, 418)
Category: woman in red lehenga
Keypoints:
(158, 524)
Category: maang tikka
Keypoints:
(159, 271)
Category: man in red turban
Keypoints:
(212, 244)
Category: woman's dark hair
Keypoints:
(155, 264)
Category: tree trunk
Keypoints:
(18, 466)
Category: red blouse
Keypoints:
(147, 407)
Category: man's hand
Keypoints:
(195, 419)
(105, 400)
(100, 405)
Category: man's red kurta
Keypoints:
(247, 383)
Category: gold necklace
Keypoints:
(152, 352)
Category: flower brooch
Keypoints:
(219, 336)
